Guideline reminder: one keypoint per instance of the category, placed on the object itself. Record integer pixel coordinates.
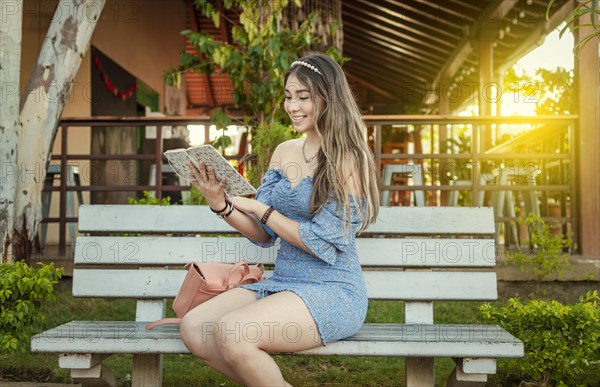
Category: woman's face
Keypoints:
(299, 105)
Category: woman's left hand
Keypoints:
(249, 206)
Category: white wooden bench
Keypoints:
(414, 254)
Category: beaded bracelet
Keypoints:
(266, 215)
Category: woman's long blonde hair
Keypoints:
(344, 147)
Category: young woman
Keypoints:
(319, 191)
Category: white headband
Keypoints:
(307, 65)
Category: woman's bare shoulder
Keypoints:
(284, 151)
(291, 144)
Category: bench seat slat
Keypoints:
(154, 250)
(373, 339)
(387, 285)
(198, 219)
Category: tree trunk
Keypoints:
(42, 104)
(10, 68)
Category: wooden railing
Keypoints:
(435, 183)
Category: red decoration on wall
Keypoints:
(124, 95)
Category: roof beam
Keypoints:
(375, 77)
(465, 46)
(371, 86)
(395, 62)
(403, 91)
(439, 5)
(396, 46)
(537, 36)
(434, 20)
(403, 17)
(403, 27)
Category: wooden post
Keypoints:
(377, 151)
(486, 77)
(588, 141)
(62, 224)
(444, 110)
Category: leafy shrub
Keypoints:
(150, 200)
(264, 142)
(23, 290)
(561, 341)
(547, 256)
(196, 198)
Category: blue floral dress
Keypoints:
(332, 286)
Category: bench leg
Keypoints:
(460, 379)
(96, 376)
(471, 371)
(420, 372)
(80, 360)
(147, 370)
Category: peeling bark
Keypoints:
(10, 66)
(41, 106)
(22, 244)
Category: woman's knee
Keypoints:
(188, 329)
(198, 335)
(234, 343)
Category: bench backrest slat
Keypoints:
(199, 219)
(153, 250)
(388, 285)
(442, 244)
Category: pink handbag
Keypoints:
(203, 281)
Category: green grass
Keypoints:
(186, 370)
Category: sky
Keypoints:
(553, 53)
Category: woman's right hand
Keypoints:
(206, 182)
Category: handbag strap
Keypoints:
(234, 268)
(163, 321)
(254, 275)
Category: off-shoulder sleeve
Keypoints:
(263, 195)
(324, 234)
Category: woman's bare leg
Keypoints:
(200, 330)
(280, 322)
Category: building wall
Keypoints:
(142, 36)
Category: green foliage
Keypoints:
(256, 61)
(221, 121)
(196, 198)
(222, 142)
(573, 23)
(551, 90)
(459, 169)
(547, 256)
(150, 200)
(264, 142)
(558, 92)
(562, 342)
(23, 290)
